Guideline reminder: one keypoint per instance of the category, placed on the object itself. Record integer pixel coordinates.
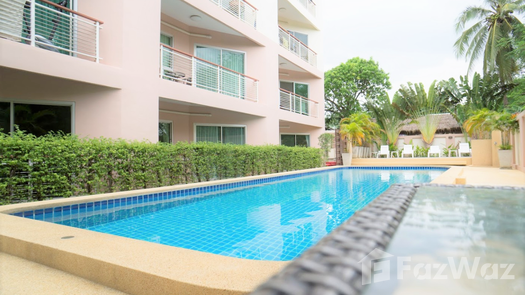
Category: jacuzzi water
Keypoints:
(275, 221)
(457, 240)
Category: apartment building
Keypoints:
(226, 71)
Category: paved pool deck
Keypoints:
(21, 276)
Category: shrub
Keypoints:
(56, 165)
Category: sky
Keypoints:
(412, 40)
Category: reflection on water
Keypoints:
(275, 221)
(483, 229)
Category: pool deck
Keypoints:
(38, 261)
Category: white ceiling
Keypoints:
(182, 11)
(285, 64)
(288, 12)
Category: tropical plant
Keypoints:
(414, 102)
(478, 125)
(464, 97)
(486, 36)
(349, 85)
(325, 142)
(507, 124)
(388, 118)
(358, 128)
(482, 122)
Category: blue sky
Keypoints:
(411, 39)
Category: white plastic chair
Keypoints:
(407, 150)
(464, 148)
(384, 151)
(434, 149)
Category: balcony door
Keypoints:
(214, 78)
(55, 29)
(297, 104)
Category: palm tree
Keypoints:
(414, 102)
(358, 128)
(494, 25)
(388, 118)
(478, 125)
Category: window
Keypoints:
(37, 119)
(207, 76)
(167, 57)
(302, 37)
(165, 131)
(295, 140)
(222, 134)
(298, 105)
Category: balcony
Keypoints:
(295, 103)
(309, 5)
(184, 68)
(50, 26)
(292, 44)
(240, 9)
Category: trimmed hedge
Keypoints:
(37, 168)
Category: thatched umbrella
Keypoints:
(447, 125)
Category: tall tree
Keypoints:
(493, 25)
(349, 85)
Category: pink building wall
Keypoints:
(121, 97)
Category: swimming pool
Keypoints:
(274, 218)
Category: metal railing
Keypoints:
(310, 6)
(292, 44)
(240, 9)
(187, 69)
(50, 26)
(296, 103)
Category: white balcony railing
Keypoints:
(310, 6)
(50, 26)
(240, 9)
(296, 103)
(190, 70)
(292, 44)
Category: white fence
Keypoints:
(292, 44)
(310, 6)
(185, 68)
(240, 9)
(292, 102)
(47, 25)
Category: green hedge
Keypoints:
(37, 168)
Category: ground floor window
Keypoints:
(37, 119)
(222, 134)
(165, 131)
(295, 140)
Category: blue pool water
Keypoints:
(276, 220)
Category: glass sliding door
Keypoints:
(208, 134)
(302, 90)
(167, 57)
(298, 104)
(166, 132)
(233, 135)
(216, 79)
(233, 83)
(54, 28)
(220, 134)
(5, 117)
(295, 140)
